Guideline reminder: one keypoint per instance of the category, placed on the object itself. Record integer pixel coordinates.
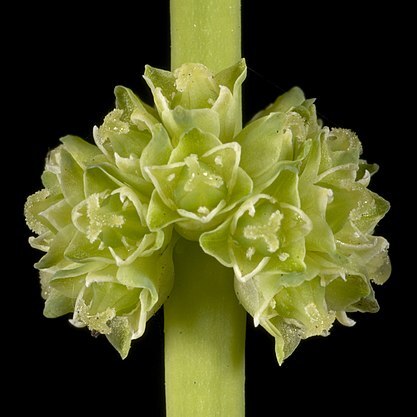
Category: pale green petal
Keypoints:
(340, 147)
(160, 215)
(179, 121)
(342, 293)
(328, 265)
(227, 104)
(158, 150)
(269, 145)
(126, 131)
(285, 188)
(261, 143)
(339, 210)
(102, 273)
(369, 258)
(194, 142)
(80, 249)
(165, 179)
(58, 215)
(50, 181)
(217, 242)
(307, 110)
(131, 105)
(245, 264)
(50, 176)
(84, 153)
(107, 176)
(69, 286)
(120, 335)
(242, 188)
(160, 79)
(71, 178)
(54, 258)
(43, 241)
(365, 172)
(285, 102)
(35, 205)
(192, 225)
(314, 202)
(128, 165)
(57, 305)
(96, 180)
(232, 77)
(367, 304)
(311, 164)
(78, 270)
(369, 212)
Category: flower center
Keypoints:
(258, 229)
(101, 216)
(196, 87)
(199, 175)
(266, 231)
(199, 188)
(111, 219)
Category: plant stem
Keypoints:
(204, 339)
(204, 323)
(205, 31)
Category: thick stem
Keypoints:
(204, 339)
(205, 31)
(204, 324)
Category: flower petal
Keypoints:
(194, 142)
(84, 153)
(285, 102)
(71, 177)
(57, 305)
(341, 293)
(120, 335)
(157, 151)
(159, 214)
(217, 242)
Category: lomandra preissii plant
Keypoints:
(280, 209)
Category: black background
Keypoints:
(64, 64)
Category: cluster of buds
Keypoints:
(283, 201)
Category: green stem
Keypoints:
(204, 324)
(205, 31)
(204, 339)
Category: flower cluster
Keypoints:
(284, 202)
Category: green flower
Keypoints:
(192, 97)
(102, 262)
(132, 137)
(201, 183)
(267, 233)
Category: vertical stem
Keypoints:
(205, 31)
(204, 339)
(204, 324)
